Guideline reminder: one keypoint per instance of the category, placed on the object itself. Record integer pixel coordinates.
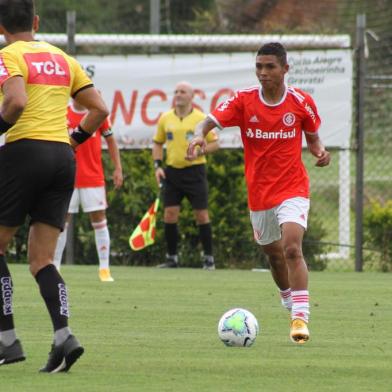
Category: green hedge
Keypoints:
(378, 235)
(232, 232)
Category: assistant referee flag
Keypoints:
(144, 234)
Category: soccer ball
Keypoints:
(238, 328)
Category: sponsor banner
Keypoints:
(139, 88)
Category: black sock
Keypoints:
(171, 235)
(54, 292)
(6, 313)
(205, 233)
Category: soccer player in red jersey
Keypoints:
(89, 189)
(272, 117)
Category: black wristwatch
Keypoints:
(157, 163)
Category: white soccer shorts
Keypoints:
(266, 224)
(91, 199)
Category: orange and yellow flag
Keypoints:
(144, 234)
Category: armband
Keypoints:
(4, 125)
(157, 163)
(80, 135)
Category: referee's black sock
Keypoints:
(54, 292)
(171, 236)
(205, 233)
(7, 327)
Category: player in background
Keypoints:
(37, 168)
(90, 187)
(272, 117)
(183, 178)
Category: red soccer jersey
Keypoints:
(89, 170)
(272, 139)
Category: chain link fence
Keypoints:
(334, 191)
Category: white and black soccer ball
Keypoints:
(238, 328)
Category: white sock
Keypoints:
(61, 335)
(8, 337)
(102, 242)
(300, 308)
(58, 253)
(285, 298)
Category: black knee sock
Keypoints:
(6, 313)
(54, 292)
(171, 235)
(205, 234)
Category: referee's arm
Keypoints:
(15, 99)
(97, 111)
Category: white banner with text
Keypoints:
(139, 88)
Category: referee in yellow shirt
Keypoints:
(37, 168)
(183, 178)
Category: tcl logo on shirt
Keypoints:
(3, 70)
(47, 68)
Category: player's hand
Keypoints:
(323, 158)
(118, 178)
(159, 175)
(73, 143)
(196, 148)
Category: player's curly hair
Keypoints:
(274, 49)
(17, 16)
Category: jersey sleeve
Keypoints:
(312, 121)
(160, 135)
(228, 113)
(80, 80)
(8, 67)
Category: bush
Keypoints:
(378, 234)
(313, 248)
(232, 232)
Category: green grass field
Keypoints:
(155, 330)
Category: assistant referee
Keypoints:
(183, 178)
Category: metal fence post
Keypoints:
(360, 59)
(71, 49)
(71, 31)
(155, 20)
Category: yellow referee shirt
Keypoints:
(177, 133)
(51, 77)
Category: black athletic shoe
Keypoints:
(171, 262)
(11, 354)
(208, 263)
(62, 357)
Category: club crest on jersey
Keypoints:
(288, 119)
(189, 135)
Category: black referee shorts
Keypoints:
(36, 180)
(189, 182)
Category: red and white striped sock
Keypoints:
(285, 297)
(300, 308)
